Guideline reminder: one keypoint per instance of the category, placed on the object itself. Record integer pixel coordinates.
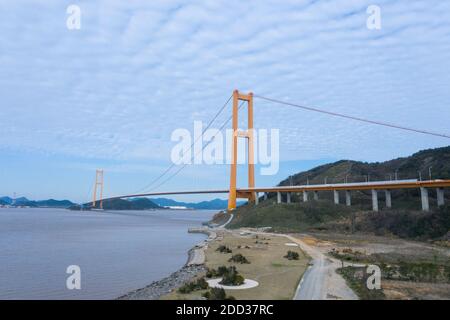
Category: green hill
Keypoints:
(215, 204)
(437, 160)
(133, 204)
(22, 201)
(405, 219)
(122, 204)
(355, 171)
(52, 203)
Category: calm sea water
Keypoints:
(117, 251)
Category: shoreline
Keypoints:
(194, 266)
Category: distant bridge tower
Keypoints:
(248, 134)
(98, 184)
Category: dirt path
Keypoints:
(321, 282)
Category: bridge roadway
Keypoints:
(374, 186)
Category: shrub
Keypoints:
(200, 284)
(238, 258)
(222, 270)
(215, 294)
(348, 254)
(224, 249)
(410, 224)
(185, 289)
(417, 271)
(232, 277)
(291, 255)
(211, 273)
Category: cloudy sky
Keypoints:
(110, 94)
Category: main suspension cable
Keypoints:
(335, 114)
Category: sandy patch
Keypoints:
(291, 244)
(248, 284)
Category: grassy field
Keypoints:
(278, 277)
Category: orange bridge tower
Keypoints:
(249, 135)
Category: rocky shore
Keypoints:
(162, 287)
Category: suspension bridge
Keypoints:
(252, 193)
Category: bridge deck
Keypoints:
(377, 185)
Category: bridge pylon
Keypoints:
(249, 135)
(98, 185)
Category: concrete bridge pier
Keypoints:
(256, 198)
(288, 197)
(316, 195)
(336, 196)
(305, 196)
(265, 196)
(440, 196)
(374, 200)
(424, 198)
(348, 199)
(278, 197)
(388, 198)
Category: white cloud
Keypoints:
(136, 71)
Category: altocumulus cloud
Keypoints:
(136, 71)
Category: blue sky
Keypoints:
(110, 94)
